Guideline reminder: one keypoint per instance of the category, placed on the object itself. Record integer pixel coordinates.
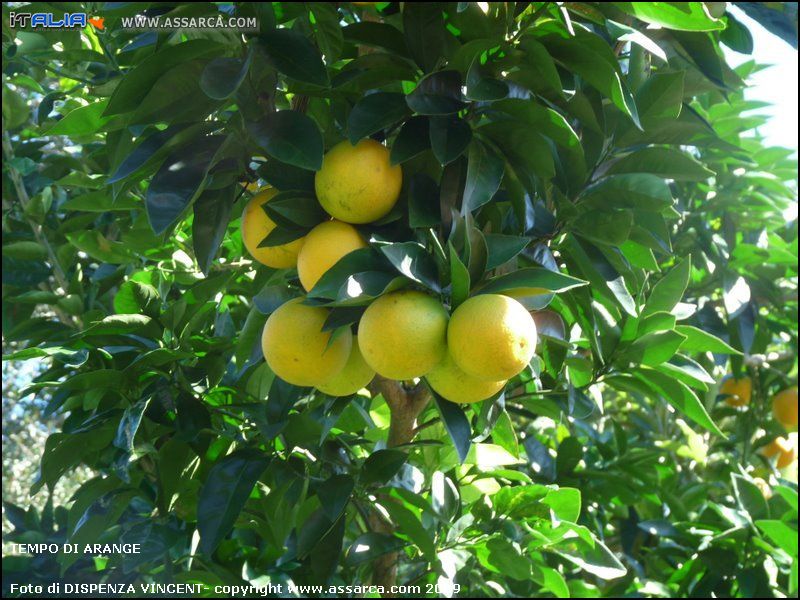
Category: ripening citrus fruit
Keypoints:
(784, 407)
(763, 487)
(256, 225)
(357, 184)
(355, 375)
(402, 335)
(491, 336)
(784, 449)
(450, 382)
(323, 247)
(737, 391)
(297, 349)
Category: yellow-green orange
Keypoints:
(402, 335)
(358, 184)
(491, 337)
(450, 382)
(784, 407)
(296, 348)
(256, 225)
(323, 247)
(355, 375)
(737, 391)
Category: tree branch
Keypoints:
(405, 405)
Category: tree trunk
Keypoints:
(405, 404)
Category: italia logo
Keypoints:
(49, 21)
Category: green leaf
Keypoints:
(369, 546)
(668, 163)
(295, 56)
(84, 120)
(565, 503)
(551, 580)
(290, 137)
(591, 57)
(382, 465)
(450, 137)
(781, 534)
(749, 497)
(423, 202)
(682, 16)
(117, 325)
(459, 278)
(212, 211)
(484, 174)
(98, 247)
(425, 34)
(151, 148)
(502, 556)
(688, 371)
(524, 148)
(283, 176)
(698, 340)
(594, 558)
(295, 209)
(135, 297)
(639, 190)
(608, 226)
(679, 395)
(437, 94)
(223, 76)
(669, 290)
(334, 494)
(456, 423)
(328, 34)
(228, 486)
(502, 248)
(137, 83)
(249, 337)
(412, 260)
(660, 98)
(374, 113)
(412, 140)
(654, 348)
(409, 525)
(531, 281)
(177, 182)
(25, 250)
(377, 35)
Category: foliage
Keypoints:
(606, 173)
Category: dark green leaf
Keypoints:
(437, 94)
(211, 214)
(369, 546)
(456, 423)
(382, 465)
(228, 486)
(295, 56)
(413, 139)
(450, 137)
(177, 182)
(290, 137)
(374, 113)
(223, 76)
(484, 174)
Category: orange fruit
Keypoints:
(784, 407)
(783, 449)
(737, 390)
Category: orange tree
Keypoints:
(592, 165)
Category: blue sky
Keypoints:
(777, 84)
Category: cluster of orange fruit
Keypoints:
(738, 392)
(406, 334)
